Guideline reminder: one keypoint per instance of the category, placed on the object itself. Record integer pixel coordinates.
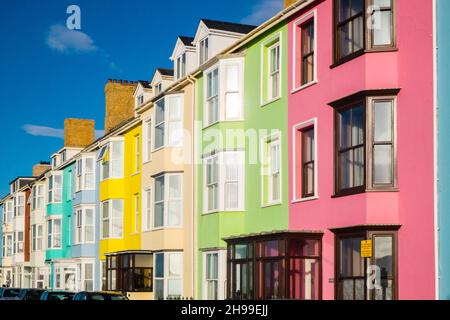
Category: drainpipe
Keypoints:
(436, 152)
(194, 272)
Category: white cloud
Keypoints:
(42, 131)
(263, 11)
(63, 40)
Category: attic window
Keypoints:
(181, 66)
(140, 100)
(158, 88)
(204, 48)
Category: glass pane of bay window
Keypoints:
(383, 121)
(175, 200)
(175, 121)
(382, 155)
(233, 105)
(159, 202)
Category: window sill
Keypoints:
(146, 162)
(265, 104)
(361, 53)
(210, 125)
(136, 174)
(305, 199)
(206, 213)
(357, 191)
(164, 228)
(305, 86)
(271, 205)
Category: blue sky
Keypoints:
(48, 74)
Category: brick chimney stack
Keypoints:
(288, 3)
(78, 133)
(119, 102)
(40, 168)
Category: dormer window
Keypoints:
(63, 156)
(140, 100)
(181, 66)
(158, 88)
(204, 50)
(55, 161)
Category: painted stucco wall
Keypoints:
(443, 73)
(63, 209)
(412, 206)
(1, 234)
(213, 228)
(125, 189)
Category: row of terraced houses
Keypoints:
(292, 160)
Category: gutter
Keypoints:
(194, 272)
(436, 152)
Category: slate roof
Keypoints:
(228, 26)
(187, 41)
(166, 72)
(145, 84)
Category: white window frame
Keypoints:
(80, 224)
(167, 202)
(167, 122)
(147, 209)
(222, 274)
(54, 187)
(265, 96)
(110, 219)
(83, 279)
(167, 278)
(147, 139)
(19, 244)
(212, 98)
(137, 153)
(110, 151)
(295, 129)
(37, 239)
(139, 100)
(203, 56)
(296, 34)
(266, 174)
(271, 74)
(9, 244)
(81, 174)
(214, 161)
(222, 181)
(181, 66)
(51, 235)
(136, 204)
(19, 204)
(40, 196)
(9, 212)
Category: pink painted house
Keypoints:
(361, 145)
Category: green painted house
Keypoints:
(243, 159)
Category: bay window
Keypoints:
(147, 140)
(112, 219)
(212, 97)
(55, 187)
(37, 236)
(8, 210)
(88, 277)
(54, 240)
(363, 25)
(37, 197)
(85, 174)
(169, 121)
(275, 266)
(366, 148)
(129, 272)
(353, 268)
(214, 275)
(137, 153)
(224, 182)
(224, 92)
(112, 160)
(168, 204)
(168, 275)
(147, 210)
(84, 225)
(19, 205)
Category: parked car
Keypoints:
(99, 296)
(57, 295)
(9, 293)
(30, 294)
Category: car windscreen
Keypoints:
(59, 296)
(11, 293)
(117, 298)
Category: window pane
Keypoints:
(232, 78)
(346, 170)
(358, 34)
(175, 288)
(344, 10)
(345, 126)
(351, 264)
(175, 265)
(383, 255)
(382, 28)
(159, 265)
(240, 251)
(344, 33)
(159, 188)
(308, 145)
(159, 116)
(359, 167)
(233, 105)
(383, 121)
(357, 126)
(382, 155)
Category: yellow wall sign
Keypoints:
(366, 249)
